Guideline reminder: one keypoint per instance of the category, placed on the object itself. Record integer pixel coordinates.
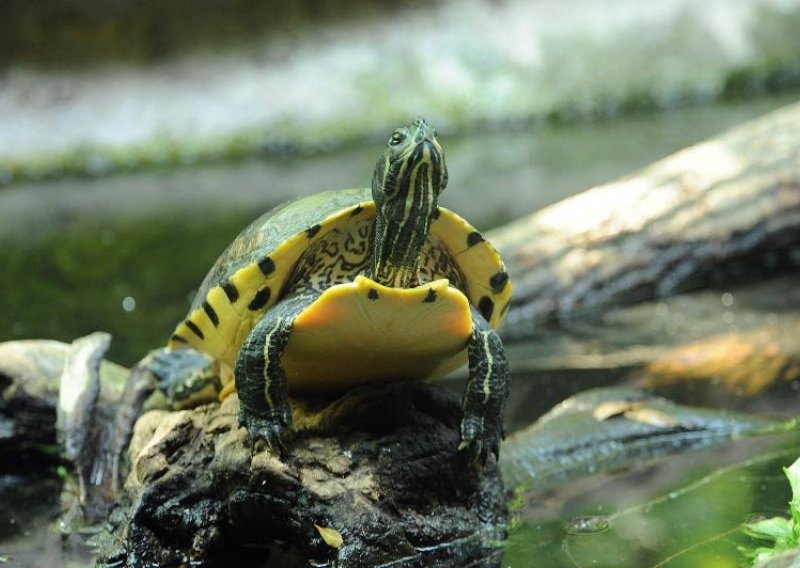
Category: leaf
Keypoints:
(793, 474)
(776, 529)
(332, 537)
(784, 533)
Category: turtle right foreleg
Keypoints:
(261, 383)
(260, 377)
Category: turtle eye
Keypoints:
(397, 137)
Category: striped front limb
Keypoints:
(487, 389)
(260, 377)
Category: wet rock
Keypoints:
(378, 468)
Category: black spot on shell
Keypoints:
(431, 297)
(311, 231)
(212, 315)
(260, 299)
(499, 281)
(179, 339)
(267, 266)
(356, 211)
(230, 291)
(372, 294)
(486, 307)
(474, 238)
(196, 330)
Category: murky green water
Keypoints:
(683, 511)
(124, 254)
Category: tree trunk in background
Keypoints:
(722, 210)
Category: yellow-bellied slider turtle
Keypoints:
(346, 287)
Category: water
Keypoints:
(683, 511)
(125, 253)
(587, 525)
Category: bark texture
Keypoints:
(725, 209)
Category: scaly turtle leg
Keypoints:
(260, 377)
(487, 389)
(186, 377)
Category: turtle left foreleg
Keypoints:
(487, 389)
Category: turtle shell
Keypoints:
(250, 275)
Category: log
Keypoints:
(738, 364)
(378, 469)
(663, 332)
(374, 478)
(723, 210)
(610, 428)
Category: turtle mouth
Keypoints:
(421, 289)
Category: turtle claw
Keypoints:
(479, 439)
(275, 431)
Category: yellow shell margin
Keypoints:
(220, 325)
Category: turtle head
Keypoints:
(409, 176)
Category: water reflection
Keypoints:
(683, 511)
(587, 525)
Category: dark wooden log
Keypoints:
(725, 209)
(378, 468)
(377, 473)
(609, 428)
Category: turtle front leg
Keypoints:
(260, 377)
(487, 389)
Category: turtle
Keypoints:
(350, 287)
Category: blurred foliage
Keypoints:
(577, 77)
(775, 38)
(780, 533)
(50, 33)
